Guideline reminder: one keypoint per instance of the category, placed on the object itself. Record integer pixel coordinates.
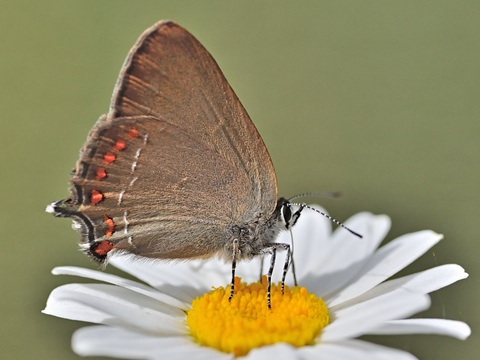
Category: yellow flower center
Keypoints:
(245, 322)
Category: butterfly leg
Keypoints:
(292, 262)
(288, 257)
(272, 250)
(234, 266)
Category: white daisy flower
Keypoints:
(343, 293)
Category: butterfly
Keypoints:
(176, 169)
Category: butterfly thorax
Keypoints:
(256, 235)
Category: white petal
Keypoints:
(352, 350)
(387, 261)
(453, 328)
(60, 304)
(117, 280)
(361, 318)
(121, 343)
(429, 280)
(347, 254)
(312, 238)
(116, 306)
(277, 352)
(423, 282)
(180, 278)
(352, 249)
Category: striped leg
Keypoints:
(234, 266)
(272, 250)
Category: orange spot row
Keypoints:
(108, 158)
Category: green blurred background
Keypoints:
(377, 99)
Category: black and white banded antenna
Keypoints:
(332, 219)
(331, 195)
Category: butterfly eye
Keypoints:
(286, 212)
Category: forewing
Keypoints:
(193, 164)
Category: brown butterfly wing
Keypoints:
(184, 162)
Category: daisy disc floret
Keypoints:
(245, 322)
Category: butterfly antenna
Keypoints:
(292, 262)
(328, 217)
(332, 195)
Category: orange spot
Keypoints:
(103, 248)
(101, 174)
(109, 158)
(110, 225)
(95, 197)
(120, 145)
(133, 133)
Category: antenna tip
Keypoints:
(355, 233)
